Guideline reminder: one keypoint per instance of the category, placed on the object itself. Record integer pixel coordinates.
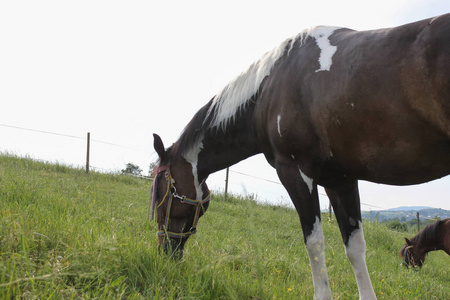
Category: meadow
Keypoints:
(65, 234)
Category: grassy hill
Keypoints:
(65, 234)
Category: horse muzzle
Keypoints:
(173, 247)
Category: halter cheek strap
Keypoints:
(152, 200)
(171, 193)
(408, 255)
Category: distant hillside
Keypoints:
(406, 213)
(408, 208)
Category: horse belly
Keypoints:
(390, 156)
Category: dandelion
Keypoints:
(289, 290)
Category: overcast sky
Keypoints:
(123, 70)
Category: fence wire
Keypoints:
(103, 170)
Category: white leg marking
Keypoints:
(321, 34)
(356, 252)
(191, 156)
(316, 252)
(307, 180)
(278, 124)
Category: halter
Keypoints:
(171, 193)
(408, 255)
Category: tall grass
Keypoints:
(65, 234)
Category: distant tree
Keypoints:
(412, 222)
(132, 169)
(397, 225)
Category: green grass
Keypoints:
(68, 235)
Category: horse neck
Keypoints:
(217, 148)
(444, 236)
(426, 242)
(226, 149)
(430, 247)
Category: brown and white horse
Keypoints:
(327, 107)
(433, 237)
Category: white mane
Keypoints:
(243, 87)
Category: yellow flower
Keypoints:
(289, 289)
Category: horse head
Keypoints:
(412, 254)
(175, 200)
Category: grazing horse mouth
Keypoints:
(174, 247)
(408, 259)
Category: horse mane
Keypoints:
(428, 234)
(241, 89)
(221, 111)
(194, 131)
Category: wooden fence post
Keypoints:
(418, 222)
(329, 209)
(87, 152)
(226, 183)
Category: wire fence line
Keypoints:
(279, 183)
(103, 170)
(63, 135)
(42, 131)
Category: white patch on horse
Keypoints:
(316, 251)
(307, 180)
(278, 125)
(356, 252)
(239, 91)
(321, 34)
(191, 156)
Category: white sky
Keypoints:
(123, 70)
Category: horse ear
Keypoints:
(408, 242)
(159, 146)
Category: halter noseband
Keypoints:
(171, 193)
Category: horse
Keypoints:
(433, 237)
(328, 106)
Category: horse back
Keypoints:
(381, 112)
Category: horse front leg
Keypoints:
(346, 205)
(303, 193)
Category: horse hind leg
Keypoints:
(303, 193)
(347, 209)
